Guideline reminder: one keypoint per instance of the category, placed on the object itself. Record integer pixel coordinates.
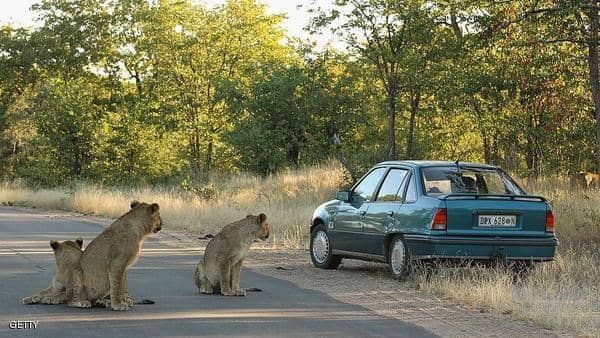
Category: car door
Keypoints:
(382, 211)
(346, 228)
(412, 215)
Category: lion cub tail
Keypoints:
(144, 302)
(253, 290)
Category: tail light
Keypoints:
(439, 219)
(549, 221)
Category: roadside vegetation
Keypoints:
(562, 295)
(287, 198)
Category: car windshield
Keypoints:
(468, 180)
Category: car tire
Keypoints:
(320, 249)
(398, 259)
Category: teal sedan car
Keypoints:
(427, 210)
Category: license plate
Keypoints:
(497, 220)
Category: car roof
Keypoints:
(428, 163)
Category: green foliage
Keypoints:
(145, 92)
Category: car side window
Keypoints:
(390, 188)
(366, 188)
(411, 191)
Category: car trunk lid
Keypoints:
(495, 215)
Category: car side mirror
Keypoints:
(343, 196)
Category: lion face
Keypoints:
(155, 220)
(65, 249)
(263, 232)
(58, 246)
(150, 212)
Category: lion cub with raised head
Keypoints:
(106, 259)
(67, 283)
(219, 269)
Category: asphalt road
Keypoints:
(164, 274)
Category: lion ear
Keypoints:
(54, 244)
(79, 242)
(153, 208)
(134, 204)
(262, 218)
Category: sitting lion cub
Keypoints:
(106, 259)
(67, 283)
(219, 269)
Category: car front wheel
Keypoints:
(320, 249)
(398, 258)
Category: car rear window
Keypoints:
(468, 180)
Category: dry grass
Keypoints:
(563, 294)
(560, 295)
(288, 199)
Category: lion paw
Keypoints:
(81, 304)
(49, 300)
(128, 300)
(206, 290)
(102, 302)
(31, 300)
(233, 293)
(120, 307)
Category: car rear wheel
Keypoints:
(320, 249)
(398, 258)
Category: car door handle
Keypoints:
(390, 213)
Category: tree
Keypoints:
(209, 51)
(573, 21)
(17, 64)
(400, 39)
(65, 113)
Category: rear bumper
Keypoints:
(510, 248)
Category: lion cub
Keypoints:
(67, 283)
(585, 180)
(219, 269)
(106, 259)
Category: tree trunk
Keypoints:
(487, 152)
(594, 74)
(392, 152)
(414, 109)
(138, 83)
(342, 157)
(77, 155)
(15, 147)
(292, 154)
(529, 151)
(487, 155)
(455, 26)
(194, 136)
(495, 157)
(208, 164)
(195, 155)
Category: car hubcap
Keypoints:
(320, 247)
(398, 257)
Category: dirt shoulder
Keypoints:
(369, 285)
(361, 283)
